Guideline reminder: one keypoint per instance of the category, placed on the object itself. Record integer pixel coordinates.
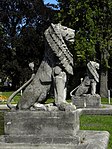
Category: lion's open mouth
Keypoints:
(71, 40)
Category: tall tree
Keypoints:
(23, 23)
(77, 14)
(91, 20)
(104, 32)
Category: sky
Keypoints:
(50, 1)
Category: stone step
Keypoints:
(33, 139)
(42, 146)
(88, 140)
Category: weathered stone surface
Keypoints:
(88, 140)
(33, 139)
(92, 67)
(97, 111)
(42, 146)
(87, 101)
(86, 91)
(94, 139)
(42, 124)
(41, 129)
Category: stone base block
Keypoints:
(88, 140)
(40, 130)
(89, 101)
(39, 126)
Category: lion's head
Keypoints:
(56, 35)
(67, 33)
(92, 67)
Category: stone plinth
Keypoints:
(47, 130)
(89, 101)
(39, 127)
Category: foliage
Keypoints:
(3, 98)
(23, 24)
(21, 31)
(91, 20)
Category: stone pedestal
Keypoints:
(49, 130)
(42, 127)
(87, 100)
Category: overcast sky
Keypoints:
(50, 1)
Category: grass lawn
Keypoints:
(105, 101)
(97, 122)
(7, 94)
(17, 97)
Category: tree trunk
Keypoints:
(104, 74)
(104, 84)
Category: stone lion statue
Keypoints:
(90, 81)
(85, 94)
(57, 63)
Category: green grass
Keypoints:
(17, 97)
(105, 101)
(97, 122)
(7, 94)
